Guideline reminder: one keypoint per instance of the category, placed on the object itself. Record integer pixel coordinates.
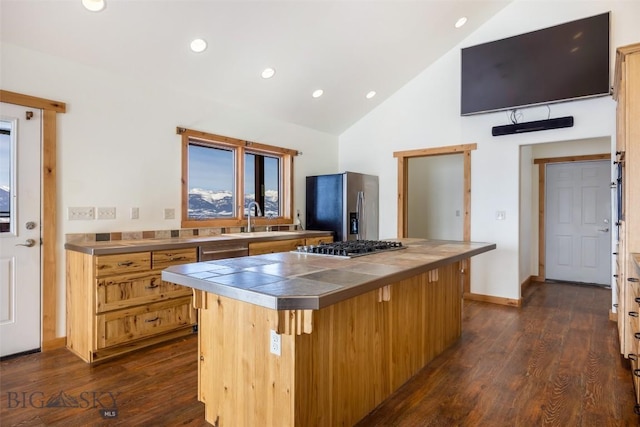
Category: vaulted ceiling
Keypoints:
(346, 48)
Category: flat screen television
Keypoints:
(559, 63)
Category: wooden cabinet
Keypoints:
(119, 303)
(259, 248)
(627, 95)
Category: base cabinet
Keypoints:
(335, 365)
(627, 95)
(119, 303)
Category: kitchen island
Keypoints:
(292, 339)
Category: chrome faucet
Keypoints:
(249, 206)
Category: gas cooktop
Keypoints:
(351, 248)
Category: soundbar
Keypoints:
(560, 122)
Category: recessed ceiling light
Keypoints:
(371, 94)
(198, 45)
(267, 73)
(460, 22)
(93, 5)
(317, 93)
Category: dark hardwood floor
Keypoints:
(553, 362)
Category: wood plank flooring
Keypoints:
(553, 362)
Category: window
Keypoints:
(221, 176)
(7, 175)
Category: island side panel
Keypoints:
(241, 382)
(363, 349)
(359, 351)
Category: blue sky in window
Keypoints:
(212, 169)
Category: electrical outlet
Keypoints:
(501, 215)
(106, 213)
(169, 213)
(81, 213)
(275, 342)
(135, 213)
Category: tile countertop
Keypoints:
(295, 281)
(142, 245)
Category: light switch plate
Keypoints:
(106, 213)
(81, 213)
(169, 213)
(135, 213)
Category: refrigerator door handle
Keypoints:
(361, 215)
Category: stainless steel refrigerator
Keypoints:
(345, 203)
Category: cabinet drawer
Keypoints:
(123, 326)
(318, 240)
(163, 259)
(122, 263)
(126, 290)
(635, 374)
(258, 248)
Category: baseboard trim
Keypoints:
(539, 279)
(493, 300)
(53, 344)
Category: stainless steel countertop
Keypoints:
(142, 245)
(297, 281)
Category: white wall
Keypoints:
(117, 142)
(425, 113)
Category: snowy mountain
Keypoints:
(219, 204)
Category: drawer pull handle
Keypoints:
(636, 372)
(152, 286)
(178, 258)
(633, 356)
(125, 263)
(637, 335)
(637, 299)
(155, 319)
(615, 305)
(633, 313)
(633, 279)
(636, 409)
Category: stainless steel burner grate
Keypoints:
(351, 248)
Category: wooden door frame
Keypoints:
(403, 184)
(541, 201)
(49, 282)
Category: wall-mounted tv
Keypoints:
(559, 63)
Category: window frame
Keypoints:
(240, 147)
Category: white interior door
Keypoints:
(578, 222)
(20, 264)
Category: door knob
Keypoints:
(29, 243)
